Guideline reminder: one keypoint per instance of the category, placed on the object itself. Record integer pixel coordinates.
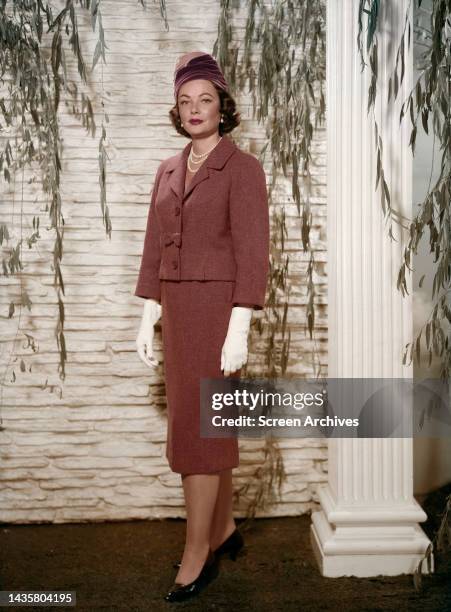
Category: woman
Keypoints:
(204, 269)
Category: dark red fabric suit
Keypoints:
(205, 251)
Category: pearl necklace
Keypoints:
(201, 157)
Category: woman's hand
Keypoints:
(144, 340)
(234, 351)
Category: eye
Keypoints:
(206, 100)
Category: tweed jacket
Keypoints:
(218, 229)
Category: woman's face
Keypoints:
(199, 100)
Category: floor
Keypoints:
(128, 566)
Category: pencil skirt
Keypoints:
(195, 319)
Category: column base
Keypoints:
(369, 541)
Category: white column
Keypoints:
(368, 522)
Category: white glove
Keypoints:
(144, 341)
(234, 350)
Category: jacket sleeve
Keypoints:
(249, 222)
(148, 285)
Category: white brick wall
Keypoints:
(98, 451)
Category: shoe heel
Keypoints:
(214, 570)
(234, 554)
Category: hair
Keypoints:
(227, 108)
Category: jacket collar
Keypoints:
(176, 166)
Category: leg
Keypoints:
(201, 491)
(223, 523)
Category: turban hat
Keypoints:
(197, 65)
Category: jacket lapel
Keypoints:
(177, 166)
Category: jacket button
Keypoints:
(175, 265)
(177, 211)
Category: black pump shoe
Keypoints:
(231, 546)
(209, 571)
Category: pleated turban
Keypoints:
(197, 65)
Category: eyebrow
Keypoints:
(202, 94)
